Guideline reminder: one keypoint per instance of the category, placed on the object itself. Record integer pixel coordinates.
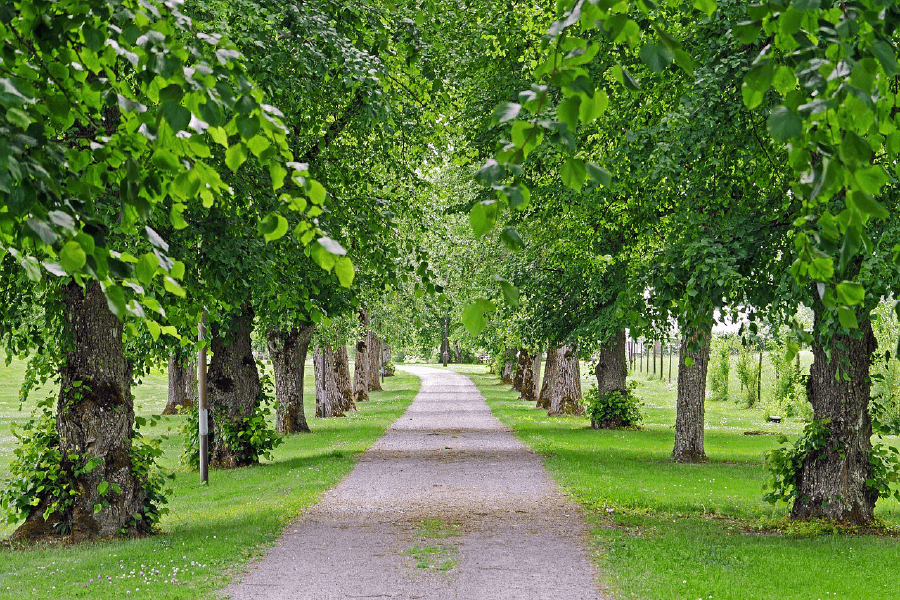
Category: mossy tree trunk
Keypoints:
(690, 405)
(95, 421)
(288, 350)
(832, 479)
(565, 397)
(233, 390)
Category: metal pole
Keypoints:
(204, 413)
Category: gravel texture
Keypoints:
(448, 504)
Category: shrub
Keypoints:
(613, 409)
(720, 366)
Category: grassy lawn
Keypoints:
(210, 530)
(672, 531)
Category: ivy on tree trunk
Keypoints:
(233, 390)
(832, 479)
(95, 423)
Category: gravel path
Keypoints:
(448, 504)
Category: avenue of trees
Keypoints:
(315, 173)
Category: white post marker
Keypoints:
(201, 402)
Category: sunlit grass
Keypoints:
(675, 531)
(210, 530)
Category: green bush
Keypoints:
(720, 366)
(612, 410)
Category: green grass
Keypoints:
(211, 530)
(686, 531)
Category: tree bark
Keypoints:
(343, 386)
(95, 420)
(327, 397)
(832, 479)
(536, 370)
(529, 389)
(288, 350)
(361, 364)
(182, 384)
(233, 389)
(565, 398)
(611, 370)
(445, 342)
(375, 362)
(549, 379)
(509, 356)
(522, 357)
(689, 416)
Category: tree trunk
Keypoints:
(506, 376)
(689, 417)
(182, 384)
(95, 421)
(343, 386)
(375, 361)
(549, 379)
(233, 390)
(522, 357)
(566, 394)
(529, 389)
(445, 342)
(327, 397)
(288, 351)
(612, 369)
(536, 369)
(361, 364)
(832, 480)
(457, 353)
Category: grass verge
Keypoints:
(211, 530)
(667, 531)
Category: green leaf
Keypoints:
(511, 239)
(277, 173)
(490, 173)
(235, 156)
(784, 124)
(886, 56)
(867, 206)
(871, 179)
(850, 293)
(747, 31)
(473, 319)
(315, 191)
(247, 126)
(854, 150)
(505, 111)
(154, 328)
(592, 107)
(761, 75)
(219, 136)
(72, 257)
(273, 227)
(847, 318)
(164, 160)
(510, 293)
(322, 257)
(708, 7)
(173, 287)
(658, 57)
(176, 115)
(482, 217)
(97, 508)
(568, 112)
(599, 174)
(145, 269)
(573, 173)
(343, 268)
